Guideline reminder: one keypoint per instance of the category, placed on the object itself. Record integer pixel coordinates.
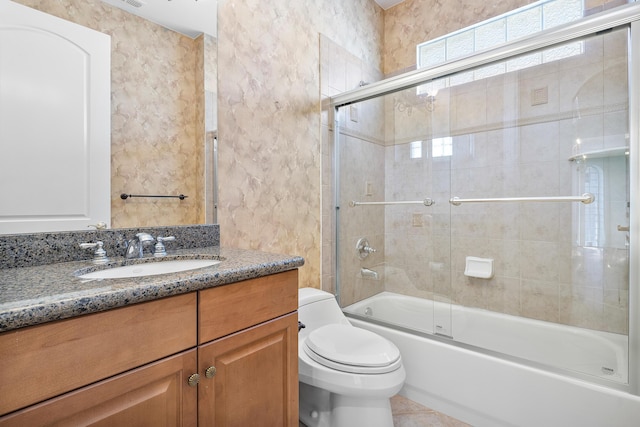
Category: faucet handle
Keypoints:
(100, 255)
(144, 237)
(160, 250)
(99, 226)
(363, 249)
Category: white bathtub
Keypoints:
(485, 390)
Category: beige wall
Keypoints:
(270, 155)
(156, 120)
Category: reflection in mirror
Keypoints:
(189, 17)
(163, 92)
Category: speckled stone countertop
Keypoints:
(33, 295)
(37, 294)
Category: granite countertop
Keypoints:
(39, 294)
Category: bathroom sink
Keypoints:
(150, 269)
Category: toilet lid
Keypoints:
(352, 349)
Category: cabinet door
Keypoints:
(256, 377)
(154, 395)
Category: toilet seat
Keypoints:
(349, 349)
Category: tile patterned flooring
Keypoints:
(407, 413)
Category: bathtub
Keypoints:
(484, 389)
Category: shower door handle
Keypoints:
(623, 228)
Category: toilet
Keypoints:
(347, 375)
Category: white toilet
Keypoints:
(347, 375)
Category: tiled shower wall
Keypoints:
(503, 146)
(341, 71)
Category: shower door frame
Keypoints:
(628, 15)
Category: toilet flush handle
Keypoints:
(301, 325)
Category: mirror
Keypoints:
(163, 104)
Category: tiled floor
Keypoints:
(407, 413)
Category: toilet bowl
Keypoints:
(347, 375)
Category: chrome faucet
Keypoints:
(369, 274)
(135, 246)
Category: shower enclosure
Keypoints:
(490, 202)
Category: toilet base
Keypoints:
(320, 408)
(351, 411)
(315, 406)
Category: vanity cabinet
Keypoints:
(223, 356)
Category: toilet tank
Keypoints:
(318, 308)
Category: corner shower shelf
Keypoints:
(596, 154)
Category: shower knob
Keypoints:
(363, 248)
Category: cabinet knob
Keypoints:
(210, 372)
(193, 380)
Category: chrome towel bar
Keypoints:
(124, 196)
(586, 198)
(426, 202)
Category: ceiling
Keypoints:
(188, 17)
(386, 4)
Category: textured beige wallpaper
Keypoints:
(155, 103)
(269, 118)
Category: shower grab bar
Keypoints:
(426, 202)
(586, 198)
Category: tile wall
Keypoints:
(503, 145)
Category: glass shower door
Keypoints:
(494, 204)
(539, 236)
(392, 201)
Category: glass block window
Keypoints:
(505, 28)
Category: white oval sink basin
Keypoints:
(150, 269)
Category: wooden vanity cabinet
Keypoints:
(131, 366)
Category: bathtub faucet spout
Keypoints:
(369, 274)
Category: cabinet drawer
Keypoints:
(226, 309)
(153, 395)
(43, 361)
